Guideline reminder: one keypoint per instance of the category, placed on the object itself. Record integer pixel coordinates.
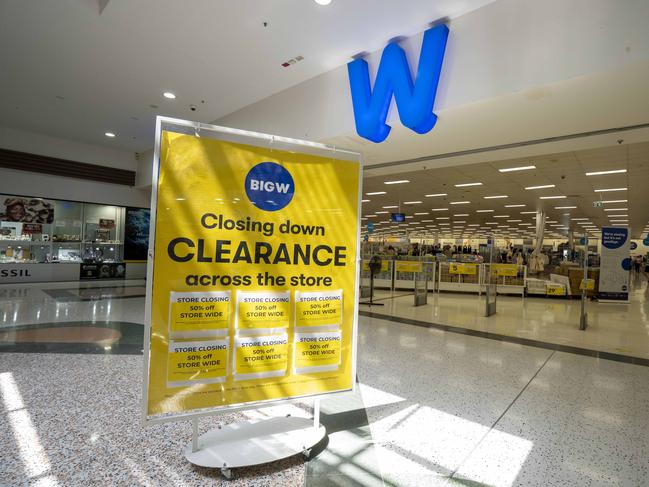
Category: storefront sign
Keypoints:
(615, 264)
(385, 265)
(254, 281)
(414, 99)
(12, 273)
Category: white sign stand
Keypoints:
(255, 442)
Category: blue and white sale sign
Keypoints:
(615, 264)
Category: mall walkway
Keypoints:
(433, 408)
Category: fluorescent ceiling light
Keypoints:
(484, 211)
(464, 185)
(618, 216)
(496, 197)
(459, 221)
(460, 202)
(169, 95)
(616, 209)
(411, 202)
(398, 181)
(492, 223)
(614, 201)
(365, 201)
(528, 213)
(552, 197)
(565, 207)
(514, 206)
(427, 221)
(442, 218)
(542, 186)
(109, 134)
(519, 168)
(370, 216)
(473, 225)
(381, 212)
(389, 207)
(421, 213)
(609, 190)
(601, 173)
(514, 221)
(435, 195)
(501, 216)
(375, 193)
(461, 214)
(439, 209)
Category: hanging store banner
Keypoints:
(615, 264)
(252, 296)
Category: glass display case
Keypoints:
(53, 232)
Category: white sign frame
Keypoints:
(251, 138)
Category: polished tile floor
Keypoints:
(433, 408)
(615, 328)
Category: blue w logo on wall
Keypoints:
(414, 99)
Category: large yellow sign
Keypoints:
(509, 270)
(408, 266)
(254, 277)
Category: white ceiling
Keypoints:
(566, 171)
(69, 71)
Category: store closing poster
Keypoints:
(254, 278)
(615, 264)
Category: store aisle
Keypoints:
(433, 408)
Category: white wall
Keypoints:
(506, 47)
(59, 187)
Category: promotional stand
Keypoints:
(252, 286)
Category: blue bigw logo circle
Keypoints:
(269, 186)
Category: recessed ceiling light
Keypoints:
(464, 185)
(169, 94)
(618, 216)
(514, 206)
(439, 209)
(484, 211)
(323, 2)
(398, 181)
(616, 209)
(381, 212)
(365, 201)
(435, 195)
(421, 213)
(375, 193)
(565, 207)
(496, 197)
(605, 202)
(461, 214)
(388, 207)
(520, 168)
(601, 173)
(500, 216)
(514, 221)
(460, 202)
(109, 134)
(442, 218)
(542, 186)
(552, 197)
(608, 190)
(411, 202)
